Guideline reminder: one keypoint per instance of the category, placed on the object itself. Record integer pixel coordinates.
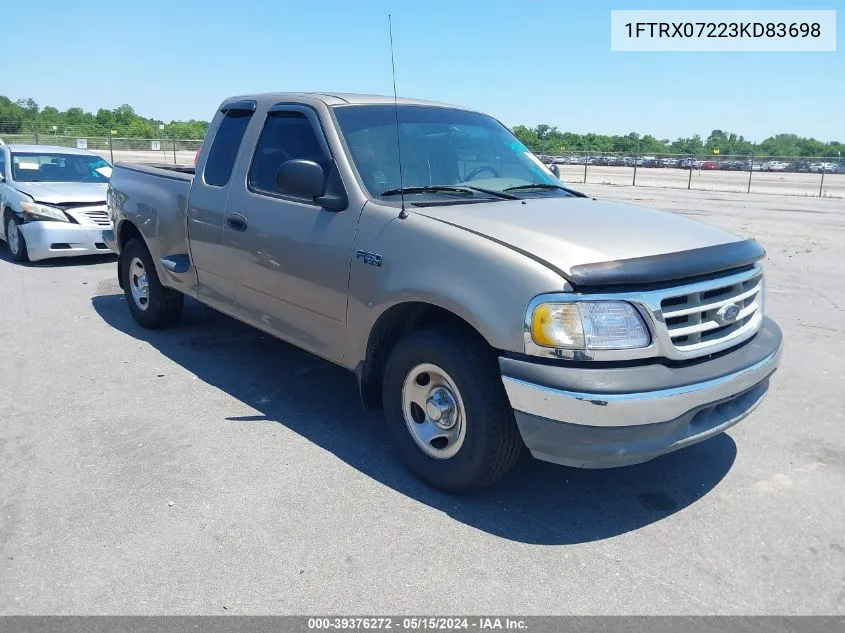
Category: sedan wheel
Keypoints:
(15, 240)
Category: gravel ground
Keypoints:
(210, 469)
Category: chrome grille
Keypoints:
(98, 216)
(692, 320)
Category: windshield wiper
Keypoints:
(428, 189)
(493, 192)
(544, 185)
(468, 190)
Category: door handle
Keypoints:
(236, 221)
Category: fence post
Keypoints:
(750, 171)
(821, 184)
(36, 134)
(174, 148)
(634, 182)
(585, 167)
(689, 180)
(111, 147)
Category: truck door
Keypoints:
(207, 203)
(288, 257)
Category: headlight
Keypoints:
(588, 325)
(33, 211)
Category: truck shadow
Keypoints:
(536, 503)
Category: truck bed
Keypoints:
(163, 170)
(154, 199)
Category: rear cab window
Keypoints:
(227, 142)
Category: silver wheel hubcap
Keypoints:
(12, 236)
(138, 283)
(434, 411)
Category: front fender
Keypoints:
(485, 283)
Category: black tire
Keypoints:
(162, 306)
(491, 443)
(10, 223)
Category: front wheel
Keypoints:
(447, 411)
(152, 305)
(15, 240)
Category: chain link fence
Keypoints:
(115, 148)
(786, 175)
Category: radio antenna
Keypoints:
(402, 213)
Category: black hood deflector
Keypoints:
(657, 269)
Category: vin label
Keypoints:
(723, 30)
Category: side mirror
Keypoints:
(306, 179)
(301, 178)
(555, 170)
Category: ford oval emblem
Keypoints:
(727, 313)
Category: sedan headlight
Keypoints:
(593, 325)
(33, 211)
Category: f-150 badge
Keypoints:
(373, 259)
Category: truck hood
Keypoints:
(569, 232)
(64, 192)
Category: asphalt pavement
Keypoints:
(211, 469)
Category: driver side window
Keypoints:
(286, 136)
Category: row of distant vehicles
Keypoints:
(695, 163)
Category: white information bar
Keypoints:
(723, 30)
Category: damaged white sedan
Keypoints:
(53, 201)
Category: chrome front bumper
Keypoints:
(598, 418)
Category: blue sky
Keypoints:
(524, 61)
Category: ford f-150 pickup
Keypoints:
(481, 303)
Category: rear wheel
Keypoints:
(447, 411)
(152, 305)
(15, 239)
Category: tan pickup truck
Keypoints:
(484, 305)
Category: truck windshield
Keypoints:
(440, 147)
(50, 167)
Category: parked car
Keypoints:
(710, 164)
(828, 168)
(775, 165)
(483, 306)
(802, 166)
(53, 201)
